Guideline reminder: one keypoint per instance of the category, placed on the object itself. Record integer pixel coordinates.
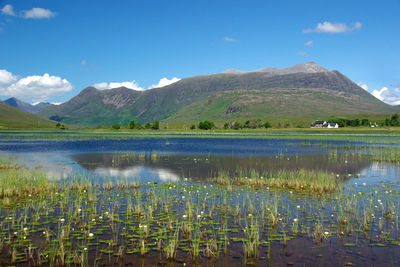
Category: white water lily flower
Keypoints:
(295, 219)
(183, 197)
(62, 220)
(364, 184)
(250, 214)
(198, 216)
(91, 234)
(298, 206)
(184, 216)
(326, 233)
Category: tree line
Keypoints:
(249, 124)
(136, 125)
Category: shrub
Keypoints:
(206, 125)
(156, 125)
(116, 126)
(132, 125)
(267, 125)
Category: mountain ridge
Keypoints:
(92, 107)
(15, 102)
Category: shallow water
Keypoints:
(168, 161)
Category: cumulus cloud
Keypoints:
(131, 85)
(8, 10)
(38, 13)
(134, 85)
(164, 82)
(7, 78)
(229, 39)
(363, 85)
(329, 27)
(33, 88)
(34, 13)
(309, 43)
(387, 96)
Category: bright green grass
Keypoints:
(360, 135)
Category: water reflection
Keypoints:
(175, 167)
(161, 168)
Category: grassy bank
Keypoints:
(383, 136)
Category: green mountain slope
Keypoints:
(307, 82)
(11, 117)
(276, 103)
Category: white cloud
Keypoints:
(329, 27)
(134, 85)
(131, 85)
(8, 10)
(38, 13)
(83, 62)
(33, 88)
(387, 96)
(164, 82)
(7, 78)
(309, 43)
(229, 39)
(363, 85)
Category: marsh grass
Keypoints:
(386, 154)
(301, 180)
(21, 182)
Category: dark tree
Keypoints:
(206, 125)
(156, 125)
(116, 126)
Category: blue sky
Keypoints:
(138, 43)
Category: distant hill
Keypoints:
(26, 106)
(303, 89)
(12, 117)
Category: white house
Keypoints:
(332, 125)
(324, 124)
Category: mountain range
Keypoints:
(26, 106)
(300, 90)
